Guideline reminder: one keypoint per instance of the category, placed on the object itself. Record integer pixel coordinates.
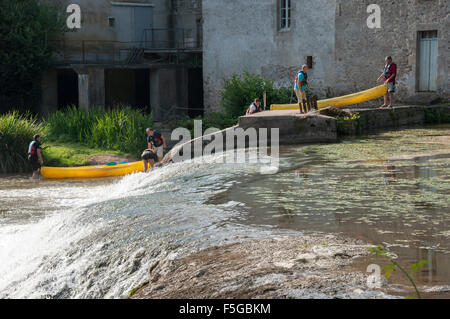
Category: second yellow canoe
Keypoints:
(345, 100)
(92, 171)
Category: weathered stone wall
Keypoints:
(348, 55)
(360, 51)
(244, 35)
(166, 14)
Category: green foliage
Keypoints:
(436, 116)
(394, 116)
(16, 132)
(119, 128)
(72, 124)
(380, 251)
(29, 32)
(240, 90)
(349, 125)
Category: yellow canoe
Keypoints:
(345, 100)
(92, 171)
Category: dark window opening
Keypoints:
(111, 22)
(309, 62)
(195, 92)
(67, 88)
(128, 87)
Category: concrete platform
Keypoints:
(314, 128)
(294, 127)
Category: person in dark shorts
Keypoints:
(149, 157)
(35, 156)
(156, 141)
(389, 74)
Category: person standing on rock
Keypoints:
(35, 156)
(301, 83)
(389, 74)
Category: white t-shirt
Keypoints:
(252, 109)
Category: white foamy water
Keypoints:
(96, 239)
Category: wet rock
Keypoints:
(283, 267)
(334, 112)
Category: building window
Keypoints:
(111, 22)
(285, 14)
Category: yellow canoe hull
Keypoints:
(92, 171)
(345, 100)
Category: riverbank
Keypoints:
(72, 154)
(74, 137)
(306, 266)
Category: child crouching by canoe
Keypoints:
(149, 157)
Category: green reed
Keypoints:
(16, 132)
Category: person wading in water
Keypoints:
(35, 156)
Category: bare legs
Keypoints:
(145, 165)
(36, 173)
(146, 162)
(390, 95)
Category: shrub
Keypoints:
(16, 132)
(240, 90)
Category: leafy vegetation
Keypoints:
(394, 265)
(120, 128)
(436, 116)
(238, 93)
(349, 125)
(72, 135)
(30, 30)
(240, 90)
(16, 132)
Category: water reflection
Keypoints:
(389, 189)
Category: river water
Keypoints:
(97, 238)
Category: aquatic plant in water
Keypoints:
(394, 265)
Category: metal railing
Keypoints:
(175, 38)
(116, 52)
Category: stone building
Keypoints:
(274, 38)
(143, 53)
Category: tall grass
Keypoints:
(121, 128)
(16, 132)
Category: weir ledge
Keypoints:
(313, 127)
